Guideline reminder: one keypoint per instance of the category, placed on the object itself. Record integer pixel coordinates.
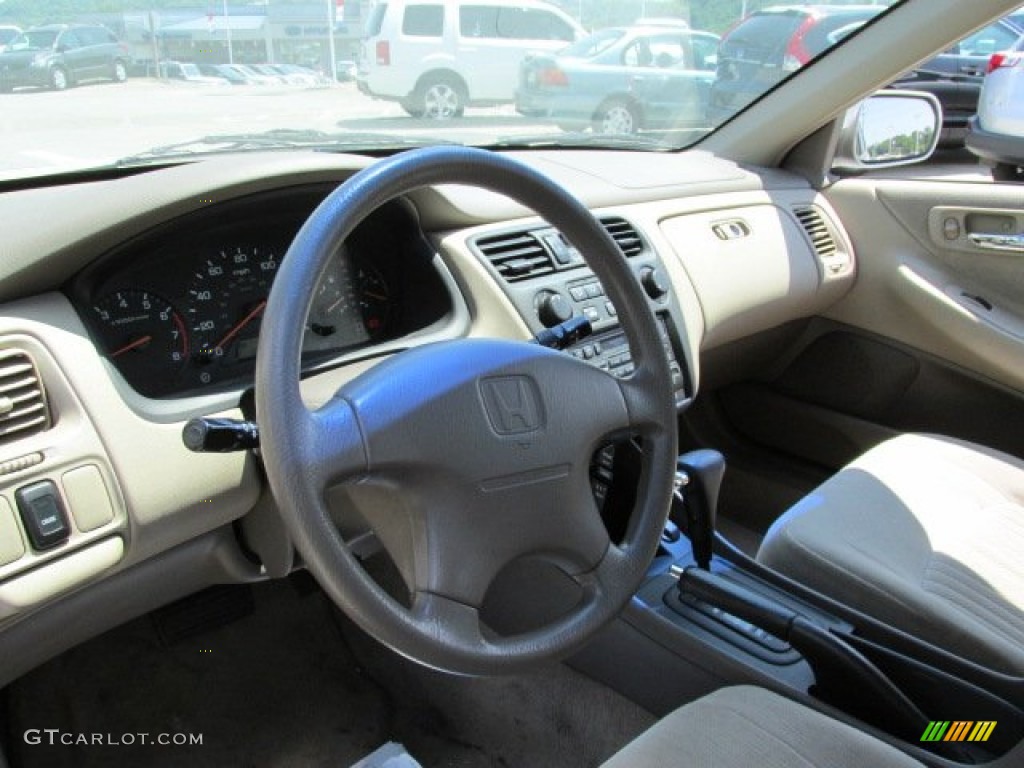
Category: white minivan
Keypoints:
(435, 57)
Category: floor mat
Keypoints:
(295, 684)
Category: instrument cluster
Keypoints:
(178, 311)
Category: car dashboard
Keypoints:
(139, 306)
(177, 310)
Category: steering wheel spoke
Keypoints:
(334, 447)
(646, 414)
(448, 621)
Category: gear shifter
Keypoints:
(698, 480)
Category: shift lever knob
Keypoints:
(703, 471)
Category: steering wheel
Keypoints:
(466, 455)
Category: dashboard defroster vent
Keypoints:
(814, 225)
(624, 234)
(516, 255)
(23, 409)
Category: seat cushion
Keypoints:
(744, 726)
(925, 533)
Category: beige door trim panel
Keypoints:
(924, 283)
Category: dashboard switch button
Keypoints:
(41, 510)
(88, 500)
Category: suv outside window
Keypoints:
(490, 21)
(423, 21)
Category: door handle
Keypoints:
(993, 242)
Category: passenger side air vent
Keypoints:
(516, 255)
(624, 234)
(814, 225)
(23, 409)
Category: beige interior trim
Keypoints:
(42, 584)
(164, 493)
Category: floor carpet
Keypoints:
(292, 683)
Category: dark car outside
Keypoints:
(57, 56)
(770, 44)
(955, 76)
(622, 80)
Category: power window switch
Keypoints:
(43, 515)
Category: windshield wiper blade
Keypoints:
(277, 139)
(584, 140)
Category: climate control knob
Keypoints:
(654, 283)
(553, 308)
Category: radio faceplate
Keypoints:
(610, 351)
(549, 288)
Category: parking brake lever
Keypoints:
(842, 674)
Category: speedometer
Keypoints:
(226, 301)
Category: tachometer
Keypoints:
(142, 335)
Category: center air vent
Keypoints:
(814, 225)
(516, 255)
(23, 410)
(624, 234)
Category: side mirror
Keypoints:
(888, 129)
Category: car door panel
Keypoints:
(842, 390)
(920, 284)
(930, 338)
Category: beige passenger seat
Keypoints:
(925, 533)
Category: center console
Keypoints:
(700, 622)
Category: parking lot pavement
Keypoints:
(96, 124)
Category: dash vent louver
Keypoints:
(814, 225)
(23, 408)
(624, 234)
(516, 255)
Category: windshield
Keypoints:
(134, 82)
(34, 39)
(593, 44)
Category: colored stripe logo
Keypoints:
(958, 730)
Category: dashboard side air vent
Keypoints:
(814, 225)
(624, 234)
(23, 409)
(516, 255)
